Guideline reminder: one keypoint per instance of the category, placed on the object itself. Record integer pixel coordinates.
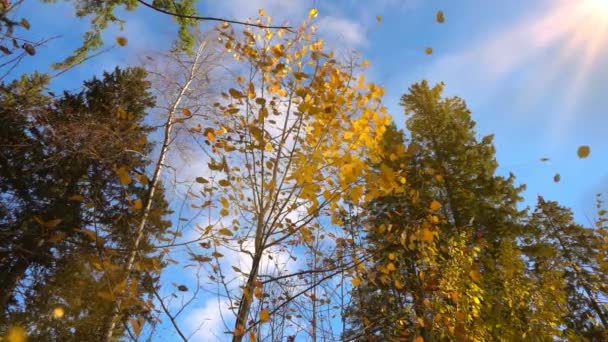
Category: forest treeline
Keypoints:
(254, 169)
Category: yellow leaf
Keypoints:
(224, 212)
(251, 91)
(136, 327)
(137, 204)
(398, 285)
(224, 182)
(557, 178)
(201, 180)
(224, 202)
(440, 17)
(210, 136)
(427, 235)
(378, 18)
(122, 41)
(264, 315)
(583, 151)
(356, 281)
(186, 112)
(123, 175)
(235, 93)
(312, 13)
(475, 276)
(391, 256)
(58, 312)
(390, 267)
(261, 13)
(435, 205)
(225, 231)
(252, 335)
(428, 50)
(419, 339)
(16, 334)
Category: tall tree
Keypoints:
(558, 245)
(74, 206)
(448, 249)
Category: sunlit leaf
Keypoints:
(312, 13)
(440, 17)
(16, 334)
(435, 206)
(583, 151)
(122, 41)
(264, 315)
(225, 231)
(58, 312)
(25, 23)
(475, 275)
(137, 205)
(201, 180)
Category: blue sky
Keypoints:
(533, 73)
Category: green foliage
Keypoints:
(103, 13)
(70, 215)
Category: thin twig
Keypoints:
(196, 17)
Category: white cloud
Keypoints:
(342, 32)
(210, 322)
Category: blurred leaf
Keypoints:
(583, 151)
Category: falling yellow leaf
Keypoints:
(312, 13)
(264, 316)
(123, 175)
(440, 17)
(475, 275)
(211, 136)
(428, 50)
(378, 18)
(225, 231)
(557, 178)
(235, 93)
(583, 151)
(435, 205)
(122, 41)
(261, 12)
(16, 334)
(427, 235)
(137, 204)
(58, 312)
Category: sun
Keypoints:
(599, 7)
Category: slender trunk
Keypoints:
(247, 298)
(158, 168)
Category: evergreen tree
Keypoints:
(73, 178)
(452, 238)
(558, 245)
